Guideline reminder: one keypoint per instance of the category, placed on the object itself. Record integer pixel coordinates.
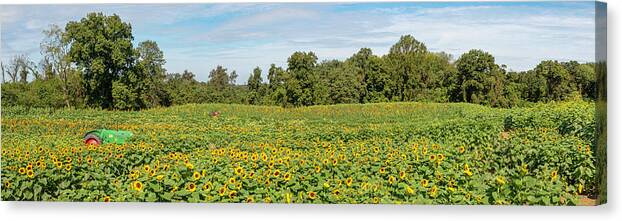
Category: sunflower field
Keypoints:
(401, 153)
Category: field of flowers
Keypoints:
(419, 153)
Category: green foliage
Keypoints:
(416, 153)
(101, 49)
(256, 87)
(101, 46)
(122, 97)
(480, 78)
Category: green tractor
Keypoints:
(104, 136)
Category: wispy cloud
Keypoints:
(241, 36)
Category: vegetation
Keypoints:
(87, 65)
(425, 153)
(410, 126)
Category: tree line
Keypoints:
(92, 63)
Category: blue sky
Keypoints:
(240, 37)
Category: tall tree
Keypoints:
(404, 61)
(19, 68)
(151, 63)
(556, 78)
(299, 86)
(255, 86)
(480, 80)
(221, 84)
(276, 85)
(55, 54)
(101, 46)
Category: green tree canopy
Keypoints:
(101, 46)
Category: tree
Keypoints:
(3, 71)
(299, 86)
(342, 83)
(556, 80)
(276, 85)
(151, 63)
(101, 46)
(55, 54)
(255, 86)
(19, 68)
(219, 79)
(480, 80)
(404, 61)
(583, 78)
(221, 84)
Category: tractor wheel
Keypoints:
(92, 139)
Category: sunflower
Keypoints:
(334, 162)
(22, 171)
(409, 190)
(207, 186)
(433, 191)
(276, 173)
(191, 187)
(196, 175)
(554, 175)
(461, 149)
(391, 179)
(376, 200)
(222, 191)
(500, 180)
(251, 174)
(318, 168)
(232, 180)
(312, 195)
(432, 157)
(159, 177)
(233, 193)
(439, 176)
(249, 199)
(138, 186)
(30, 173)
(68, 167)
(267, 200)
(189, 166)
(402, 175)
(349, 182)
(337, 192)
(440, 157)
(382, 170)
(287, 177)
(106, 199)
(524, 169)
(239, 170)
(146, 168)
(424, 183)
